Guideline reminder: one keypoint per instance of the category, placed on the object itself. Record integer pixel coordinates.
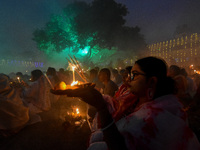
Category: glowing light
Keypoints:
(73, 73)
(77, 111)
(85, 51)
(18, 78)
(197, 71)
(74, 83)
(62, 86)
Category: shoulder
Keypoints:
(111, 83)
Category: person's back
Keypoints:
(191, 85)
(36, 95)
(13, 114)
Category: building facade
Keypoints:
(182, 51)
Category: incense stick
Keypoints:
(77, 71)
(48, 80)
(79, 66)
(76, 63)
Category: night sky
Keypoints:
(157, 19)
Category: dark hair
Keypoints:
(106, 71)
(153, 66)
(183, 72)
(176, 69)
(52, 71)
(115, 71)
(20, 74)
(61, 70)
(36, 74)
(96, 68)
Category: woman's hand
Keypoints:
(88, 94)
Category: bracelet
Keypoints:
(108, 126)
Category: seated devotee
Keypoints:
(117, 78)
(26, 78)
(109, 86)
(12, 75)
(19, 76)
(93, 78)
(13, 114)
(158, 121)
(51, 73)
(191, 85)
(181, 85)
(64, 76)
(181, 88)
(121, 104)
(36, 95)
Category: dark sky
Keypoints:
(157, 19)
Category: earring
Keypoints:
(150, 93)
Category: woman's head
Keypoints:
(51, 71)
(153, 66)
(36, 74)
(149, 76)
(104, 75)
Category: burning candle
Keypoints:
(73, 73)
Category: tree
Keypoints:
(182, 30)
(96, 26)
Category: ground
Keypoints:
(51, 133)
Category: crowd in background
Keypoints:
(23, 97)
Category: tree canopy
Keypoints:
(98, 25)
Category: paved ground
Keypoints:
(51, 133)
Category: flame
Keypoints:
(77, 111)
(74, 83)
(198, 72)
